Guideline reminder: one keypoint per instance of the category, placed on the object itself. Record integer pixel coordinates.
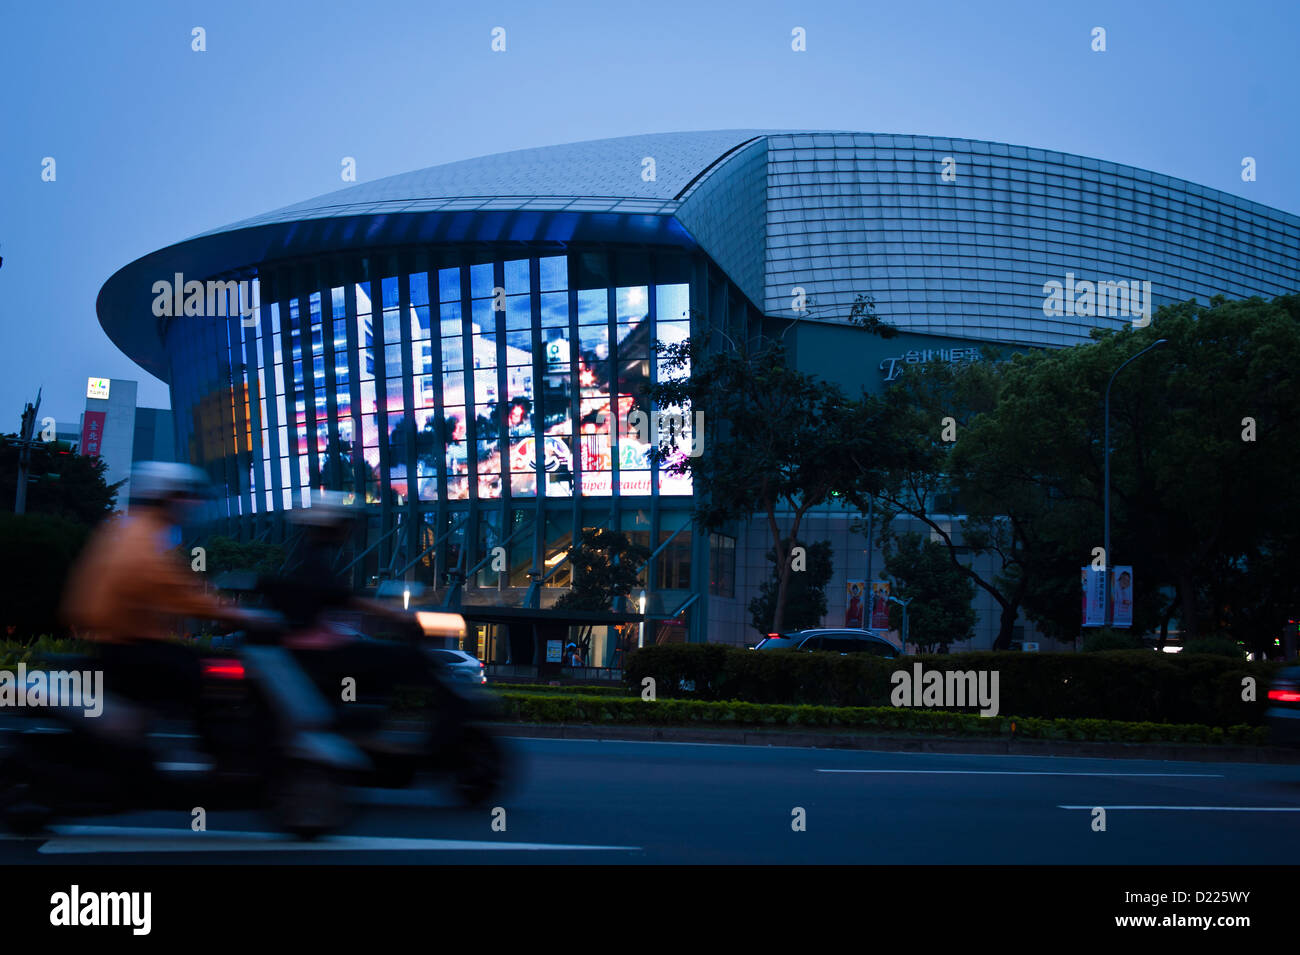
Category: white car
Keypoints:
(462, 665)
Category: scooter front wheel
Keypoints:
(480, 769)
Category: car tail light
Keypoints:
(774, 635)
(223, 669)
(1284, 694)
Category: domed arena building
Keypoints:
(460, 347)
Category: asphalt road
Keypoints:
(610, 802)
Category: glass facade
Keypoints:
(498, 380)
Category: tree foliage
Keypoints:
(1203, 501)
(36, 553)
(605, 567)
(805, 604)
(778, 442)
(939, 612)
(61, 484)
(228, 554)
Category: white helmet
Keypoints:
(155, 482)
(328, 509)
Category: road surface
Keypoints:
(608, 802)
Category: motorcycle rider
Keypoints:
(126, 590)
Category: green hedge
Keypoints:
(550, 708)
(1120, 685)
(14, 652)
(575, 688)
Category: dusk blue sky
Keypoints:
(155, 143)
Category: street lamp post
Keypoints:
(1106, 467)
(903, 604)
(640, 635)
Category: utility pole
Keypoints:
(25, 445)
(903, 604)
(1107, 616)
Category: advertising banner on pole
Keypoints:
(880, 605)
(1121, 597)
(92, 433)
(854, 605)
(1092, 585)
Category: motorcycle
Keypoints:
(406, 712)
(270, 743)
(392, 698)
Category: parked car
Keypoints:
(461, 664)
(1283, 713)
(841, 641)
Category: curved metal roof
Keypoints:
(602, 175)
(831, 213)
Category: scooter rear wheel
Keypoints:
(21, 811)
(308, 801)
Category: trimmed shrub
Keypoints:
(1215, 646)
(548, 708)
(1111, 640)
(1111, 685)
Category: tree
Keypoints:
(1202, 485)
(63, 484)
(940, 595)
(36, 553)
(604, 567)
(932, 413)
(806, 599)
(863, 315)
(775, 440)
(227, 554)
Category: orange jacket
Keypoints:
(126, 586)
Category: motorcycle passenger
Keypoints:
(307, 594)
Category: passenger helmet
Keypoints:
(329, 509)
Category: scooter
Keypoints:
(411, 715)
(271, 743)
(404, 711)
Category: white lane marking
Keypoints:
(93, 839)
(1194, 808)
(1013, 772)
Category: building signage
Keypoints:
(97, 388)
(893, 367)
(92, 433)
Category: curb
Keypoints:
(906, 744)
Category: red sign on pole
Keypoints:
(92, 433)
(880, 604)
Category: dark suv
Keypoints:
(840, 641)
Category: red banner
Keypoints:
(880, 604)
(92, 433)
